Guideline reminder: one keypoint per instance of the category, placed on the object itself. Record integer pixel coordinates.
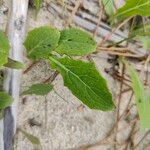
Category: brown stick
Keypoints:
(77, 5)
(30, 67)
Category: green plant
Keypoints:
(33, 139)
(5, 99)
(82, 78)
(132, 8)
(37, 4)
(142, 97)
(5, 61)
(38, 89)
(4, 49)
(60, 49)
(142, 33)
(109, 7)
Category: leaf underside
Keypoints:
(85, 82)
(75, 42)
(41, 41)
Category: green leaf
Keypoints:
(33, 139)
(4, 49)
(134, 7)
(143, 30)
(85, 82)
(14, 64)
(1, 79)
(145, 41)
(142, 33)
(38, 89)
(41, 41)
(37, 4)
(1, 114)
(5, 100)
(75, 42)
(109, 7)
(142, 99)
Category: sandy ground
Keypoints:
(69, 124)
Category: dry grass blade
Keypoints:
(30, 67)
(141, 140)
(75, 9)
(113, 31)
(118, 105)
(99, 18)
